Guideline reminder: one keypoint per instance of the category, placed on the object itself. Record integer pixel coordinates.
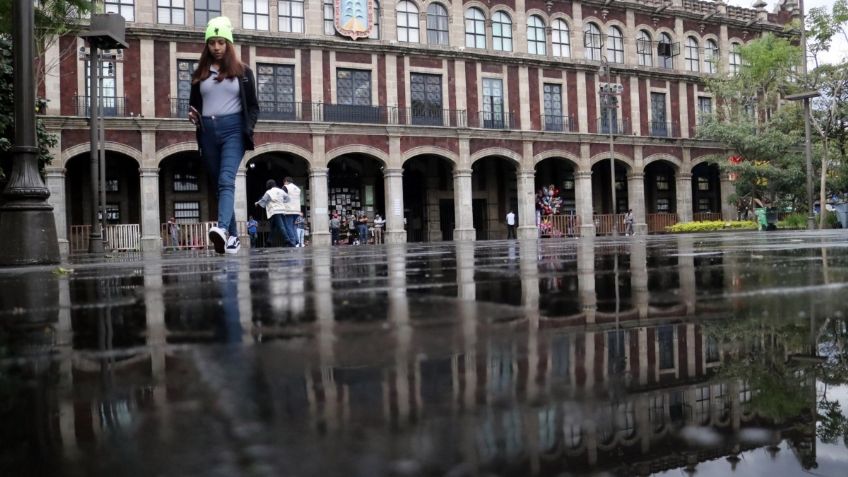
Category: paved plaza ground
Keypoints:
(626, 356)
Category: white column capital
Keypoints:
(635, 176)
(148, 172)
(318, 171)
(393, 172)
(583, 175)
(462, 172)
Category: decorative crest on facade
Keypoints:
(354, 18)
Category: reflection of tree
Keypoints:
(832, 423)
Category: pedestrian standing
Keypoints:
(300, 224)
(351, 228)
(628, 222)
(335, 225)
(510, 225)
(274, 202)
(251, 231)
(362, 229)
(291, 209)
(224, 108)
(174, 232)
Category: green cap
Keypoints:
(219, 27)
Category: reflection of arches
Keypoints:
(429, 151)
(495, 152)
(357, 149)
(428, 198)
(73, 151)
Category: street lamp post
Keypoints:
(26, 219)
(609, 102)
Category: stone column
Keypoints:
(462, 205)
(586, 278)
(318, 186)
(55, 182)
(529, 269)
(393, 180)
(639, 278)
(636, 200)
(583, 194)
(728, 188)
(151, 239)
(526, 206)
(240, 203)
(684, 196)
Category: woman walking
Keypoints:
(224, 108)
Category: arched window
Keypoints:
(664, 52)
(711, 56)
(693, 57)
(592, 41)
(560, 39)
(407, 22)
(644, 48)
(437, 24)
(475, 28)
(615, 45)
(375, 31)
(536, 38)
(501, 32)
(735, 59)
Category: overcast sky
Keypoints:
(838, 49)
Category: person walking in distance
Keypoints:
(628, 222)
(224, 108)
(335, 225)
(174, 232)
(274, 202)
(510, 225)
(291, 209)
(251, 230)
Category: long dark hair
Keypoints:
(231, 66)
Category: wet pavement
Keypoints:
(710, 354)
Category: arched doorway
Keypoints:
(277, 166)
(706, 192)
(602, 196)
(428, 199)
(355, 186)
(660, 195)
(555, 192)
(123, 205)
(185, 192)
(494, 191)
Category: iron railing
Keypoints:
(112, 106)
(702, 216)
(119, 237)
(657, 222)
(558, 123)
(492, 120)
(422, 116)
(351, 113)
(619, 127)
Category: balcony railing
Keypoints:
(620, 127)
(558, 123)
(428, 117)
(663, 129)
(351, 113)
(112, 106)
(492, 120)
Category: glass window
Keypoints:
(734, 59)
(659, 126)
(375, 29)
(275, 91)
(125, 8)
(290, 16)
(185, 68)
(501, 32)
(407, 22)
(554, 120)
(664, 51)
(592, 41)
(185, 181)
(705, 108)
(170, 11)
(437, 25)
(693, 57)
(493, 108)
(329, 12)
(353, 87)
(536, 38)
(186, 212)
(615, 45)
(711, 57)
(255, 15)
(475, 28)
(426, 99)
(560, 39)
(107, 88)
(665, 340)
(205, 10)
(644, 48)
(712, 341)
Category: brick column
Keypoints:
(462, 205)
(684, 196)
(583, 194)
(393, 182)
(151, 240)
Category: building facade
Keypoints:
(444, 118)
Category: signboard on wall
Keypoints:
(354, 18)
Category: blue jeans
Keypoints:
(280, 229)
(222, 148)
(291, 229)
(363, 233)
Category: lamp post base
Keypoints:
(811, 222)
(29, 231)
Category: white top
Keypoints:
(510, 219)
(292, 206)
(274, 201)
(222, 98)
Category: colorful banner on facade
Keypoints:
(354, 18)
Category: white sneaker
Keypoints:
(233, 244)
(218, 237)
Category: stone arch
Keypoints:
(558, 153)
(487, 13)
(128, 151)
(539, 13)
(277, 147)
(168, 151)
(495, 151)
(604, 156)
(699, 160)
(358, 149)
(429, 150)
(678, 164)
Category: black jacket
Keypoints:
(249, 105)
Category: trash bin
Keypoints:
(762, 219)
